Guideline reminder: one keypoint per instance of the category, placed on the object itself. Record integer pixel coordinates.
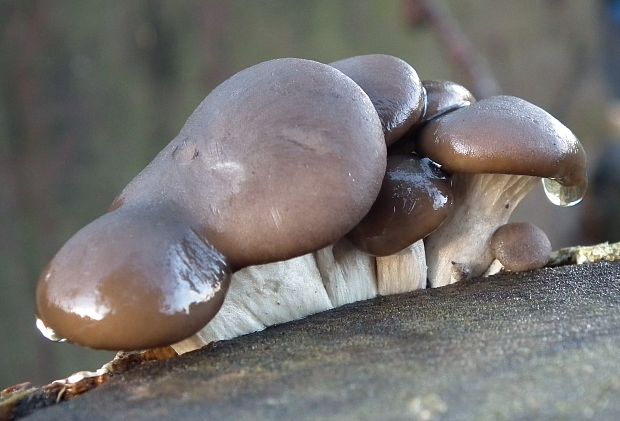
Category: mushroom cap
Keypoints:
(506, 135)
(443, 96)
(132, 279)
(282, 159)
(393, 87)
(521, 246)
(415, 198)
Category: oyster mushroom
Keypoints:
(280, 160)
(393, 87)
(347, 273)
(443, 96)
(400, 100)
(496, 150)
(415, 198)
(132, 279)
(520, 246)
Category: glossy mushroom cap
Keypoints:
(414, 200)
(280, 160)
(443, 96)
(132, 279)
(508, 135)
(393, 87)
(521, 246)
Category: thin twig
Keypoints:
(460, 50)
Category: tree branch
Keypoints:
(460, 50)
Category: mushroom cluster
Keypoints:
(296, 187)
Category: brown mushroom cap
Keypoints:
(281, 159)
(393, 87)
(443, 96)
(521, 246)
(507, 135)
(414, 200)
(132, 279)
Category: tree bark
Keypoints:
(542, 344)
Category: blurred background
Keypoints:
(91, 91)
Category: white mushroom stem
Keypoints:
(460, 247)
(494, 268)
(265, 295)
(402, 272)
(348, 274)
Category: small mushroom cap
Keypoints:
(505, 135)
(521, 246)
(414, 200)
(393, 87)
(280, 160)
(132, 279)
(443, 96)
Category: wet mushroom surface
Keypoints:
(132, 279)
(496, 150)
(278, 199)
(281, 159)
(414, 200)
(467, 140)
(443, 96)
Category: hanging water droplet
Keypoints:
(48, 332)
(561, 195)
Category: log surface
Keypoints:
(544, 344)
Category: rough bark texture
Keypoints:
(534, 345)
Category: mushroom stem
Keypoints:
(348, 274)
(192, 343)
(269, 294)
(460, 247)
(402, 272)
(265, 295)
(494, 268)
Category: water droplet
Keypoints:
(561, 195)
(48, 332)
